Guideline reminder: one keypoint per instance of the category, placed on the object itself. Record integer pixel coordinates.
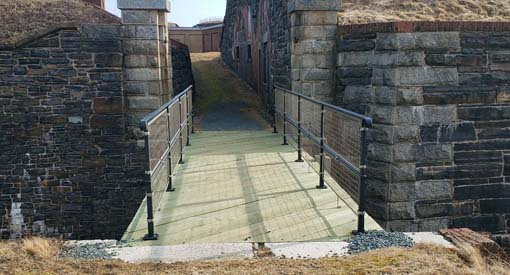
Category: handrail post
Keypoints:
(284, 119)
(363, 179)
(191, 112)
(148, 191)
(321, 161)
(187, 121)
(300, 148)
(275, 131)
(170, 176)
(181, 160)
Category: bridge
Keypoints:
(237, 178)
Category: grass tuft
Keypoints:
(40, 256)
(376, 11)
(40, 248)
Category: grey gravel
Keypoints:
(100, 250)
(377, 240)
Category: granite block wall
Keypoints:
(182, 76)
(68, 167)
(439, 97)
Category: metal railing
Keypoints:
(167, 131)
(331, 136)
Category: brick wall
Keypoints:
(261, 28)
(439, 150)
(68, 167)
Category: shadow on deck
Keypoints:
(243, 186)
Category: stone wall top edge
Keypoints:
(163, 5)
(425, 26)
(40, 35)
(313, 5)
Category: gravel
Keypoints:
(377, 240)
(92, 250)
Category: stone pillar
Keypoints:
(147, 67)
(313, 49)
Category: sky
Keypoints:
(186, 13)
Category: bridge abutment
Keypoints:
(147, 64)
(313, 29)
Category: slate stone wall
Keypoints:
(182, 75)
(68, 167)
(440, 100)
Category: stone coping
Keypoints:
(424, 26)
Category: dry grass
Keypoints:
(38, 256)
(375, 11)
(22, 19)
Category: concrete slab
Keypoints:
(184, 253)
(309, 250)
(430, 238)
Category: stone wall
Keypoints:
(439, 97)
(68, 167)
(182, 75)
(256, 44)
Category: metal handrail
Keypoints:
(151, 173)
(151, 117)
(366, 122)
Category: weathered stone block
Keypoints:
(141, 47)
(379, 152)
(101, 32)
(403, 172)
(453, 132)
(474, 192)
(141, 74)
(401, 210)
(101, 46)
(144, 103)
(439, 114)
(316, 74)
(163, 5)
(107, 105)
(398, 59)
(433, 225)
(401, 192)
(401, 226)
(426, 210)
(491, 206)
(314, 5)
(108, 60)
(489, 223)
(403, 152)
(419, 40)
(314, 47)
(480, 113)
(434, 152)
(416, 76)
(141, 31)
(139, 17)
(499, 42)
(355, 45)
(434, 190)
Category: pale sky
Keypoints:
(186, 13)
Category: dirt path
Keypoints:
(224, 102)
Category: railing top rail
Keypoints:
(367, 121)
(144, 123)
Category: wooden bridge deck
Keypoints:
(243, 186)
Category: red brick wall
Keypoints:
(99, 3)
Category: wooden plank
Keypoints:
(465, 236)
(245, 187)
